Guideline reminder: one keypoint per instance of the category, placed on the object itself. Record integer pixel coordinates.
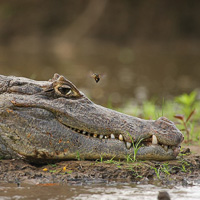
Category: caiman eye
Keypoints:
(65, 90)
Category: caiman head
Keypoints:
(52, 120)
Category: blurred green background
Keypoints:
(144, 49)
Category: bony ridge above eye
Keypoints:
(63, 87)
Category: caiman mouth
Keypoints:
(152, 140)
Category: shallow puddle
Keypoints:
(110, 191)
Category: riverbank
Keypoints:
(183, 171)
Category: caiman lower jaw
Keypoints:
(144, 142)
(154, 141)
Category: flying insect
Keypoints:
(96, 77)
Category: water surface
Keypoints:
(111, 191)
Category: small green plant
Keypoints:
(135, 172)
(128, 158)
(184, 165)
(157, 171)
(136, 147)
(186, 123)
(119, 166)
(165, 168)
(78, 156)
(52, 165)
(139, 176)
(187, 101)
(69, 171)
(110, 161)
(188, 104)
(101, 158)
(183, 169)
(53, 171)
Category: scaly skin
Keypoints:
(53, 120)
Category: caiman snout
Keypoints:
(166, 132)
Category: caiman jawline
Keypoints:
(152, 140)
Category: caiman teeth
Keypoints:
(112, 136)
(121, 137)
(101, 136)
(165, 147)
(154, 139)
(128, 145)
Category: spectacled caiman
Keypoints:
(53, 120)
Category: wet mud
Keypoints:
(185, 170)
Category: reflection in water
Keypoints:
(96, 191)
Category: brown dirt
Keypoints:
(185, 170)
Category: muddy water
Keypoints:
(111, 191)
